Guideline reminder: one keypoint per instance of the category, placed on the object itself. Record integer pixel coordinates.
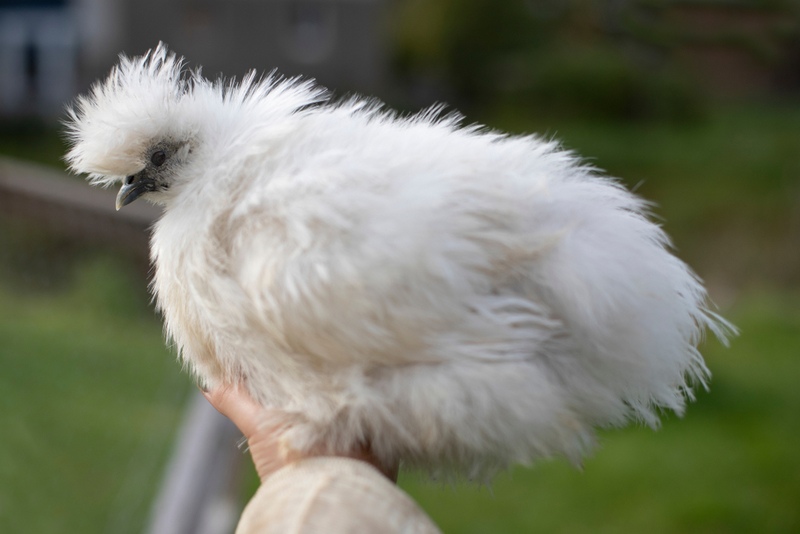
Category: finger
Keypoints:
(235, 404)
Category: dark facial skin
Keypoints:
(155, 175)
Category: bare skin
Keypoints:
(263, 440)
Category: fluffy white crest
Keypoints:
(152, 98)
(112, 126)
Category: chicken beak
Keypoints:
(132, 188)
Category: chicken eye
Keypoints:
(158, 158)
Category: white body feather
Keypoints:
(458, 299)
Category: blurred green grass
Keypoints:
(90, 394)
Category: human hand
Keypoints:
(263, 439)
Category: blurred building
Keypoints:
(52, 49)
(38, 53)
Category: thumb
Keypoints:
(237, 405)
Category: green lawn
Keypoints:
(90, 397)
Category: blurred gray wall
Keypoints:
(342, 43)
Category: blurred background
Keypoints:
(694, 103)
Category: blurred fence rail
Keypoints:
(199, 493)
(46, 197)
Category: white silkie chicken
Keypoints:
(456, 299)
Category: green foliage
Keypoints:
(654, 22)
(599, 82)
(33, 140)
(548, 54)
(35, 260)
(601, 58)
